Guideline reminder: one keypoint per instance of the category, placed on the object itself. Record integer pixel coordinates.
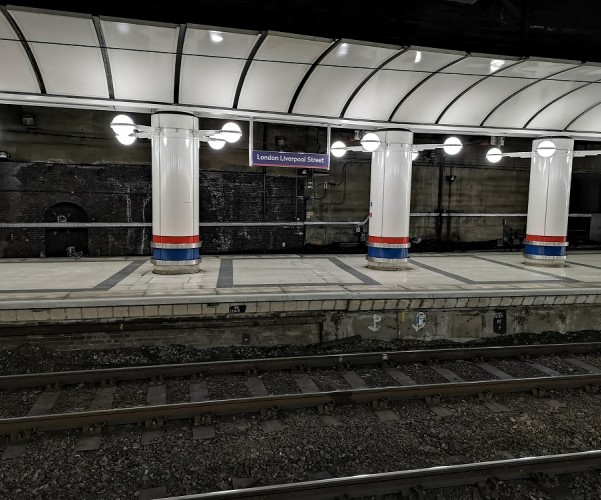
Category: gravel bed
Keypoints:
(228, 386)
(559, 365)
(329, 380)
(305, 446)
(591, 359)
(467, 370)
(178, 389)
(517, 369)
(279, 383)
(73, 399)
(17, 402)
(422, 373)
(130, 395)
(587, 485)
(375, 376)
(30, 359)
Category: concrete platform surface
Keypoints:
(26, 283)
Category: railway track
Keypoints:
(414, 483)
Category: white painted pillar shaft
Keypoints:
(390, 198)
(548, 203)
(175, 238)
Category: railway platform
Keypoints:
(279, 299)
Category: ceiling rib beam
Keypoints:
(26, 47)
(475, 84)
(418, 85)
(369, 77)
(519, 91)
(105, 56)
(177, 75)
(247, 64)
(310, 71)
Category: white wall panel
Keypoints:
(212, 81)
(475, 104)
(590, 121)
(478, 66)
(6, 32)
(134, 36)
(422, 60)
(271, 82)
(582, 73)
(429, 100)
(559, 114)
(51, 28)
(16, 73)
(520, 108)
(536, 69)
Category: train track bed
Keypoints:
(302, 444)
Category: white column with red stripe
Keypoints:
(390, 197)
(548, 201)
(175, 238)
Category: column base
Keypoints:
(545, 261)
(386, 264)
(175, 267)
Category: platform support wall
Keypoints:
(548, 204)
(390, 197)
(175, 239)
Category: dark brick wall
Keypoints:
(121, 193)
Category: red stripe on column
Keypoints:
(175, 239)
(387, 239)
(548, 239)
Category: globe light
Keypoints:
(216, 142)
(126, 140)
(494, 155)
(546, 149)
(370, 142)
(414, 155)
(230, 132)
(123, 125)
(452, 146)
(338, 149)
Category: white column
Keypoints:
(390, 198)
(175, 239)
(548, 204)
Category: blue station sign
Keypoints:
(293, 160)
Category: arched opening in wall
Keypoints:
(70, 241)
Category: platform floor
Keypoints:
(289, 275)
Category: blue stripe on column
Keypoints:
(553, 251)
(388, 253)
(175, 253)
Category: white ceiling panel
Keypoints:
(134, 36)
(6, 32)
(378, 97)
(209, 81)
(590, 121)
(356, 55)
(70, 70)
(475, 104)
(270, 82)
(51, 28)
(142, 76)
(212, 81)
(585, 73)
(429, 100)
(520, 108)
(559, 114)
(422, 60)
(478, 66)
(328, 89)
(205, 42)
(536, 69)
(16, 73)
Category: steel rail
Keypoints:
(417, 479)
(25, 380)
(181, 411)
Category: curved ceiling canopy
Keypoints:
(51, 58)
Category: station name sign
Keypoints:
(293, 160)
